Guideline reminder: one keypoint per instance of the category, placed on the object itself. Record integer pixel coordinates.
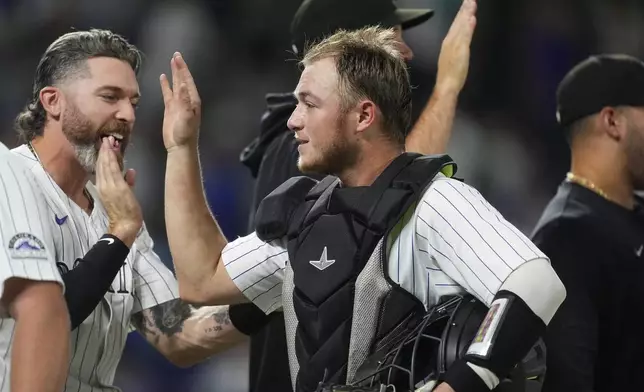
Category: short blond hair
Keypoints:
(370, 66)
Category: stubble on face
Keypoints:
(334, 157)
(85, 138)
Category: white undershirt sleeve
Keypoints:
(257, 268)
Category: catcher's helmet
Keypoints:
(420, 358)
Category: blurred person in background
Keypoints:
(593, 230)
(272, 156)
(77, 124)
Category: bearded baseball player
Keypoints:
(78, 123)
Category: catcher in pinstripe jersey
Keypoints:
(77, 124)
(341, 254)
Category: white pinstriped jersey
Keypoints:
(450, 242)
(27, 244)
(142, 283)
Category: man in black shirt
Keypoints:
(593, 231)
(272, 156)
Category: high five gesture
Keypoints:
(194, 237)
(182, 115)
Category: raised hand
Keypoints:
(123, 210)
(454, 59)
(182, 116)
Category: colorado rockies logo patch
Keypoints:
(26, 246)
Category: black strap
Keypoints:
(413, 179)
(383, 182)
(322, 186)
(321, 194)
(275, 211)
(363, 201)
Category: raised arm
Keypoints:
(195, 239)
(433, 129)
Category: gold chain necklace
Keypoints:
(85, 192)
(587, 184)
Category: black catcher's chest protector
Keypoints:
(332, 233)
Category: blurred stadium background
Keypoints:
(505, 140)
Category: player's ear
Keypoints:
(366, 114)
(613, 121)
(51, 100)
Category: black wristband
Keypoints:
(248, 318)
(517, 331)
(462, 378)
(91, 277)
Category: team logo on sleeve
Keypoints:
(26, 246)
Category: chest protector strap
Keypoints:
(332, 233)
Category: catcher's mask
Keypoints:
(419, 360)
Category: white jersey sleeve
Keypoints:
(154, 283)
(27, 244)
(257, 268)
(468, 239)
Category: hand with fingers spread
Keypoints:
(454, 59)
(182, 115)
(123, 210)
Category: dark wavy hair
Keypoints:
(67, 57)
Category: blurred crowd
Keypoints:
(506, 140)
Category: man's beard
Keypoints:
(334, 158)
(80, 133)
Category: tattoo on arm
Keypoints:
(220, 317)
(165, 319)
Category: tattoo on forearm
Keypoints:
(167, 320)
(221, 318)
(142, 321)
(164, 319)
(169, 316)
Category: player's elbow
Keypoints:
(183, 361)
(205, 347)
(537, 283)
(190, 295)
(218, 289)
(178, 351)
(195, 291)
(190, 355)
(194, 295)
